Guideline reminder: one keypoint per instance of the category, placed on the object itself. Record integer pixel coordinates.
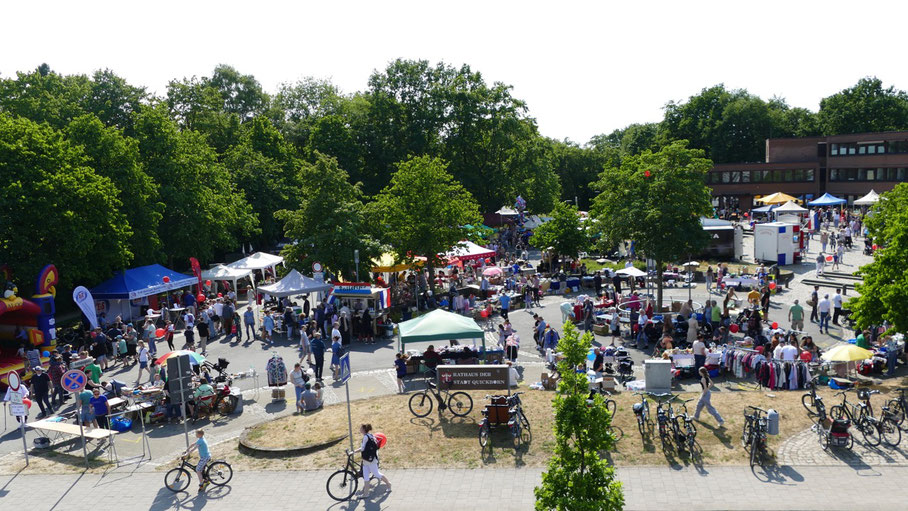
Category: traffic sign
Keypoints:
(74, 380)
(12, 379)
(343, 375)
(16, 407)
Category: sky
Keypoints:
(584, 68)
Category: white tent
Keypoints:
(868, 200)
(534, 221)
(789, 207)
(295, 284)
(631, 271)
(221, 272)
(506, 211)
(468, 251)
(257, 261)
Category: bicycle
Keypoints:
(504, 411)
(754, 435)
(218, 472)
(663, 418)
(690, 430)
(809, 400)
(641, 412)
(899, 408)
(610, 403)
(859, 415)
(345, 481)
(460, 403)
(886, 427)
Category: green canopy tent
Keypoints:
(439, 325)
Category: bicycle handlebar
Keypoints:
(757, 408)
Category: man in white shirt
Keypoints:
(836, 307)
(778, 352)
(823, 308)
(641, 336)
(699, 349)
(189, 319)
(789, 353)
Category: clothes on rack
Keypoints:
(276, 371)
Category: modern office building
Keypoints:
(847, 166)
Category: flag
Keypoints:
(196, 270)
(84, 300)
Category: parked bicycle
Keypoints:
(837, 433)
(421, 403)
(898, 408)
(610, 403)
(861, 416)
(504, 411)
(754, 435)
(664, 419)
(641, 412)
(343, 483)
(809, 400)
(683, 421)
(218, 472)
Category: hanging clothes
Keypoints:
(276, 371)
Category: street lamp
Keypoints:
(356, 261)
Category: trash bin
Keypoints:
(772, 422)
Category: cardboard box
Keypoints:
(548, 383)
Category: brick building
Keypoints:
(847, 166)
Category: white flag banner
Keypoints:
(83, 299)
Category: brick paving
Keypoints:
(804, 449)
(646, 488)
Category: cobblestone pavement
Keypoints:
(646, 488)
(804, 449)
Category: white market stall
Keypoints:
(258, 261)
(468, 251)
(294, 284)
(868, 200)
(226, 273)
(376, 299)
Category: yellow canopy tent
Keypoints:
(777, 198)
(387, 263)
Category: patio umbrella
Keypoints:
(194, 358)
(777, 198)
(847, 353)
(492, 272)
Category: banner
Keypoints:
(197, 271)
(83, 299)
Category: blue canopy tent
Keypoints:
(827, 200)
(141, 282)
(765, 209)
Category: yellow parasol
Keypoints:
(777, 198)
(847, 353)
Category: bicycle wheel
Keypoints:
(809, 404)
(746, 435)
(514, 428)
(219, 473)
(177, 479)
(837, 412)
(641, 425)
(756, 455)
(823, 437)
(664, 435)
(421, 404)
(869, 429)
(342, 485)
(898, 413)
(691, 432)
(484, 434)
(524, 422)
(460, 404)
(889, 430)
(612, 407)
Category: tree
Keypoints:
(884, 292)
(656, 199)
(45, 96)
(423, 211)
(330, 223)
(577, 477)
(863, 108)
(563, 232)
(56, 209)
(113, 100)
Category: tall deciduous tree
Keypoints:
(56, 209)
(330, 223)
(423, 211)
(656, 199)
(868, 106)
(884, 292)
(577, 477)
(563, 231)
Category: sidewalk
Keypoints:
(646, 488)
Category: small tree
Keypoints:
(578, 478)
(563, 231)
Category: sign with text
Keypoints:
(472, 377)
(353, 288)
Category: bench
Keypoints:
(828, 283)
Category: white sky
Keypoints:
(583, 67)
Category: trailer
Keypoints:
(777, 242)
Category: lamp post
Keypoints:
(356, 261)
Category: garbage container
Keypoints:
(772, 422)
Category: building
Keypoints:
(847, 166)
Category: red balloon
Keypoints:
(733, 328)
(166, 279)
(207, 282)
(772, 285)
(775, 325)
(27, 402)
(200, 297)
(828, 259)
(875, 247)
(220, 295)
(380, 439)
(646, 173)
(160, 332)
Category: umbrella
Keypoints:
(632, 272)
(777, 198)
(194, 358)
(691, 263)
(492, 271)
(847, 353)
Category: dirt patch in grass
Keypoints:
(447, 441)
(300, 431)
(50, 461)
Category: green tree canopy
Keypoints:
(423, 211)
(577, 477)
(656, 199)
(866, 107)
(330, 223)
(564, 231)
(884, 292)
(54, 209)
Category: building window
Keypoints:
(898, 146)
(726, 178)
(834, 149)
(735, 177)
(901, 174)
(745, 176)
(808, 175)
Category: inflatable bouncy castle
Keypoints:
(26, 324)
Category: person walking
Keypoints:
(202, 327)
(268, 328)
(144, 364)
(814, 300)
(337, 349)
(823, 307)
(836, 307)
(821, 261)
(369, 450)
(796, 317)
(317, 346)
(824, 240)
(249, 322)
(706, 385)
(299, 385)
(710, 276)
(699, 350)
(56, 370)
(40, 383)
(400, 366)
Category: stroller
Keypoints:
(625, 368)
(868, 247)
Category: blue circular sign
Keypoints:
(74, 380)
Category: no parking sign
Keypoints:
(74, 380)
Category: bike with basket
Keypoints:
(504, 411)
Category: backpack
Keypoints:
(370, 451)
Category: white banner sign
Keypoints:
(83, 299)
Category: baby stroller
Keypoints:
(625, 369)
(868, 247)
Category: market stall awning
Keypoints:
(868, 200)
(776, 198)
(294, 283)
(468, 251)
(790, 207)
(765, 209)
(141, 282)
(534, 221)
(221, 272)
(631, 271)
(440, 325)
(827, 200)
(506, 211)
(388, 263)
(257, 261)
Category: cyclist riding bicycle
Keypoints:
(204, 456)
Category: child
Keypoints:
(400, 363)
(204, 455)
